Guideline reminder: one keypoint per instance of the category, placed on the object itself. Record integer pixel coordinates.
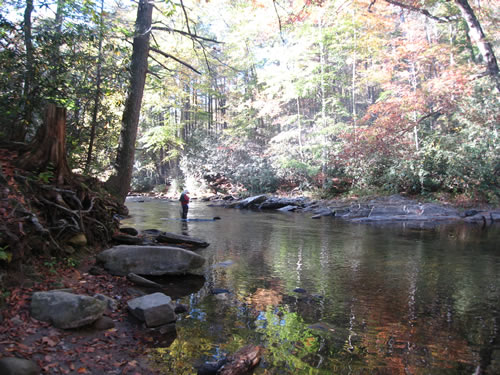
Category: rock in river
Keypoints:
(154, 309)
(149, 260)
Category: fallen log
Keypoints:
(172, 238)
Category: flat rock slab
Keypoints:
(173, 238)
(149, 260)
(154, 309)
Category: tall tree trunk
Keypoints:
(97, 96)
(119, 182)
(29, 76)
(477, 35)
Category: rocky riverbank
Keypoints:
(390, 209)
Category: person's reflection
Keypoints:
(184, 227)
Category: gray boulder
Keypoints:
(154, 309)
(66, 310)
(287, 208)
(277, 203)
(149, 260)
(18, 366)
(252, 201)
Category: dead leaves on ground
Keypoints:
(82, 351)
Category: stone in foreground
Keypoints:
(66, 310)
(154, 309)
(18, 366)
(149, 260)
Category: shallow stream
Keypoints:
(373, 299)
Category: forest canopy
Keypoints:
(248, 97)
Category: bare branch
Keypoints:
(167, 55)
(153, 74)
(279, 21)
(185, 33)
(425, 12)
(186, 17)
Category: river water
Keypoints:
(390, 299)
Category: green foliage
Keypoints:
(288, 340)
(46, 176)
(5, 255)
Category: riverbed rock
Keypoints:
(172, 238)
(250, 202)
(142, 281)
(18, 366)
(127, 239)
(154, 309)
(78, 240)
(274, 203)
(149, 260)
(66, 310)
(130, 231)
(111, 303)
(320, 212)
(104, 323)
(484, 217)
(287, 208)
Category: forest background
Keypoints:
(331, 97)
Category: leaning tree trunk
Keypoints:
(47, 152)
(119, 182)
(477, 35)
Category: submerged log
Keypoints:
(243, 361)
(172, 238)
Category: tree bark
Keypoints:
(119, 183)
(477, 35)
(29, 76)
(97, 96)
(48, 149)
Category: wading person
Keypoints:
(184, 203)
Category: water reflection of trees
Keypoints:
(397, 299)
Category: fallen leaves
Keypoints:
(79, 351)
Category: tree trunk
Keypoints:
(97, 96)
(477, 35)
(119, 182)
(29, 76)
(48, 149)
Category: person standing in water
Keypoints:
(184, 203)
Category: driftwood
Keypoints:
(243, 361)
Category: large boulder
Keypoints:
(18, 366)
(66, 310)
(154, 309)
(149, 260)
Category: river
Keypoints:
(373, 299)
